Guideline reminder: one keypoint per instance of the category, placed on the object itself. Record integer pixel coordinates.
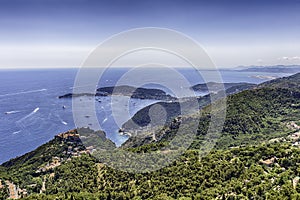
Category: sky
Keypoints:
(62, 33)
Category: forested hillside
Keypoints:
(252, 116)
(256, 157)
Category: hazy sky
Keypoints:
(61, 33)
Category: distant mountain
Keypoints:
(271, 69)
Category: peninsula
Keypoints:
(125, 90)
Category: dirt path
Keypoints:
(13, 194)
(43, 189)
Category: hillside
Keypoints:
(256, 157)
(26, 173)
(265, 171)
(215, 87)
(142, 119)
(289, 82)
(252, 115)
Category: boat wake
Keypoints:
(104, 120)
(61, 120)
(16, 132)
(33, 119)
(35, 110)
(25, 92)
(30, 114)
(12, 112)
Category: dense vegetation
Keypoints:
(28, 171)
(172, 109)
(252, 115)
(3, 189)
(256, 115)
(23, 170)
(255, 157)
(223, 174)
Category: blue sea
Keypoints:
(31, 112)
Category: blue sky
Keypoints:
(61, 33)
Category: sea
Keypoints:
(31, 112)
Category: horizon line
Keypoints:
(124, 67)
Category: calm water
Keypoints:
(36, 114)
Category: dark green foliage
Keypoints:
(3, 190)
(230, 174)
(252, 117)
(24, 171)
(142, 117)
(258, 115)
